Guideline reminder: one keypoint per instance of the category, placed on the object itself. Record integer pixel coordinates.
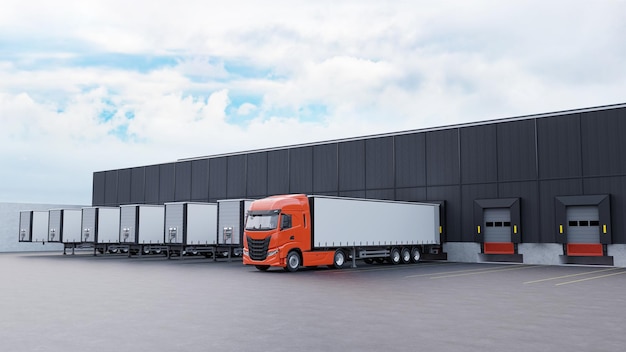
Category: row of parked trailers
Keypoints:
(180, 228)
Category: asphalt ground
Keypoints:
(51, 302)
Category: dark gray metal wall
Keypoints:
(534, 159)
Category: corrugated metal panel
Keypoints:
(388, 194)
(452, 197)
(470, 193)
(110, 188)
(278, 172)
(88, 227)
(353, 194)
(218, 177)
(301, 170)
(603, 143)
(548, 190)
(200, 180)
(325, 168)
(167, 182)
(517, 152)
(124, 186)
(256, 175)
(54, 225)
(138, 185)
(379, 163)
(414, 194)
(479, 162)
(182, 191)
(236, 182)
(559, 144)
(497, 225)
(583, 224)
(352, 166)
(410, 160)
(174, 223)
(128, 224)
(442, 157)
(528, 192)
(152, 184)
(231, 215)
(616, 187)
(98, 188)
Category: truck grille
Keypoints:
(258, 248)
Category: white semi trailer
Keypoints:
(190, 228)
(64, 224)
(296, 230)
(33, 226)
(141, 228)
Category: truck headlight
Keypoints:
(272, 252)
(245, 252)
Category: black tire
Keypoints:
(293, 261)
(368, 260)
(405, 255)
(379, 260)
(394, 256)
(262, 267)
(339, 259)
(415, 254)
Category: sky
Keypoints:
(87, 86)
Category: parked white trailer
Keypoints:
(191, 227)
(33, 226)
(141, 228)
(64, 224)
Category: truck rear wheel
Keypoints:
(406, 255)
(293, 261)
(339, 259)
(415, 254)
(394, 256)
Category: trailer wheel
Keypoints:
(293, 261)
(406, 255)
(379, 260)
(339, 259)
(394, 256)
(415, 254)
(368, 261)
(262, 267)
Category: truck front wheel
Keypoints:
(293, 261)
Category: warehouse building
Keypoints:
(544, 189)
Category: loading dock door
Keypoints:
(497, 225)
(497, 231)
(583, 224)
(583, 230)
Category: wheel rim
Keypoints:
(416, 255)
(294, 262)
(406, 255)
(339, 259)
(395, 256)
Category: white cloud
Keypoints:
(77, 95)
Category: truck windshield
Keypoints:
(261, 222)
